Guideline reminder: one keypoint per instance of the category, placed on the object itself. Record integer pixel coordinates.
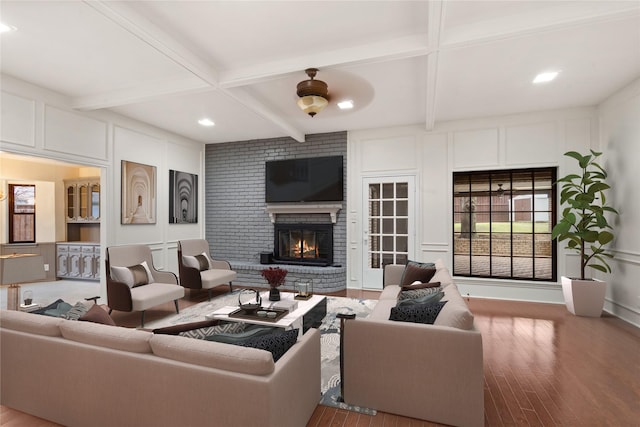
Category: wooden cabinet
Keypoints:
(76, 260)
(82, 198)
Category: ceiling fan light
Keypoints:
(312, 104)
(314, 94)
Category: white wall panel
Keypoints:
(435, 212)
(578, 136)
(619, 136)
(18, 120)
(475, 148)
(531, 144)
(388, 154)
(67, 132)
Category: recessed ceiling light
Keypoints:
(206, 122)
(345, 105)
(4, 28)
(546, 77)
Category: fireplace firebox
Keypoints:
(303, 244)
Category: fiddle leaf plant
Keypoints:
(584, 223)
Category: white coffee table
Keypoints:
(303, 317)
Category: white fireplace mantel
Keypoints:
(304, 208)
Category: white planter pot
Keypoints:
(584, 297)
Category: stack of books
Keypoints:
(29, 307)
(284, 304)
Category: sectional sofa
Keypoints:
(428, 371)
(80, 373)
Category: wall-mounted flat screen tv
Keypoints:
(314, 179)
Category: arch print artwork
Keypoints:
(183, 198)
(138, 193)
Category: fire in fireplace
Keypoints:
(303, 244)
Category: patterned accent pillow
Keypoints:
(418, 293)
(239, 338)
(417, 313)
(277, 343)
(203, 333)
(417, 271)
(76, 311)
(422, 300)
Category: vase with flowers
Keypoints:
(275, 276)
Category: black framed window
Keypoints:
(502, 222)
(22, 213)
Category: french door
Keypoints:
(388, 225)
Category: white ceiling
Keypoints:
(169, 63)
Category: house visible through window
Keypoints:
(502, 224)
(22, 213)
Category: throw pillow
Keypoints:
(420, 271)
(139, 274)
(419, 285)
(183, 327)
(203, 333)
(238, 338)
(417, 313)
(277, 342)
(422, 300)
(136, 275)
(200, 262)
(418, 293)
(97, 314)
(76, 311)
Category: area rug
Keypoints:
(329, 338)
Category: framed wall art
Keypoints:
(138, 193)
(183, 198)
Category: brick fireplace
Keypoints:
(240, 225)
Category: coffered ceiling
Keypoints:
(170, 63)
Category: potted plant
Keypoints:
(585, 227)
(275, 276)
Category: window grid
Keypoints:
(502, 224)
(388, 224)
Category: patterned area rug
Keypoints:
(330, 349)
(329, 339)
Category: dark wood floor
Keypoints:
(543, 367)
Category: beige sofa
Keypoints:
(87, 374)
(431, 372)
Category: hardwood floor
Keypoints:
(543, 367)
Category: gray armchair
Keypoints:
(133, 283)
(198, 273)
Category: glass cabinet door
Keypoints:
(83, 201)
(95, 201)
(71, 201)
